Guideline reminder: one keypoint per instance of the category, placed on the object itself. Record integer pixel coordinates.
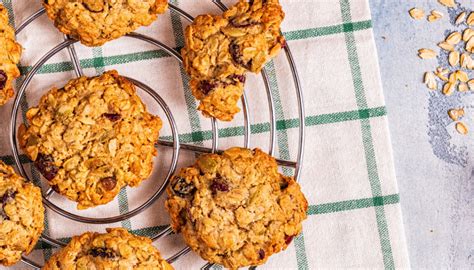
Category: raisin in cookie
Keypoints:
(219, 50)
(116, 249)
(91, 138)
(21, 215)
(94, 22)
(235, 209)
(10, 52)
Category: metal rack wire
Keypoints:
(175, 144)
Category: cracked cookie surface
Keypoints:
(219, 50)
(94, 22)
(116, 249)
(235, 209)
(21, 215)
(91, 138)
(10, 53)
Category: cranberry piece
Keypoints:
(288, 239)
(261, 254)
(181, 187)
(283, 185)
(108, 183)
(102, 252)
(8, 196)
(45, 164)
(219, 184)
(206, 87)
(112, 116)
(3, 79)
(55, 188)
(240, 78)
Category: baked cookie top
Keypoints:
(116, 249)
(219, 50)
(21, 215)
(91, 138)
(94, 22)
(10, 53)
(235, 209)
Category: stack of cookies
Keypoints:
(94, 136)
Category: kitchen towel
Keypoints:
(354, 217)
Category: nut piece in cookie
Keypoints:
(94, 22)
(21, 216)
(116, 249)
(235, 209)
(220, 50)
(10, 53)
(91, 138)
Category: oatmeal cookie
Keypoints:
(219, 50)
(94, 22)
(116, 249)
(91, 138)
(10, 53)
(21, 215)
(235, 209)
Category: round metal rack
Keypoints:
(175, 144)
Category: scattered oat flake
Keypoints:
(430, 81)
(455, 114)
(463, 60)
(435, 15)
(416, 13)
(460, 18)
(470, 45)
(453, 58)
(461, 128)
(467, 34)
(440, 72)
(453, 77)
(426, 53)
(470, 19)
(470, 84)
(446, 46)
(448, 88)
(462, 87)
(447, 3)
(454, 38)
(462, 76)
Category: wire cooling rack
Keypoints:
(68, 44)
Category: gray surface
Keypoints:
(434, 164)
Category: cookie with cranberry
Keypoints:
(91, 138)
(219, 50)
(21, 215)
(116, 249)
(94, 22)
(235, 209)
(10, 53)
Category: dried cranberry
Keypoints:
(45, 164)
(55, 188)
(283, 185)
(8, 196)
(261, 254)
(112, 116)
(219, 184)
(206, 87)
(3, 215)
(181, 187)
(3, 79)
(288, 239)
(108, 183)
(102, 252)
(240, 78)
